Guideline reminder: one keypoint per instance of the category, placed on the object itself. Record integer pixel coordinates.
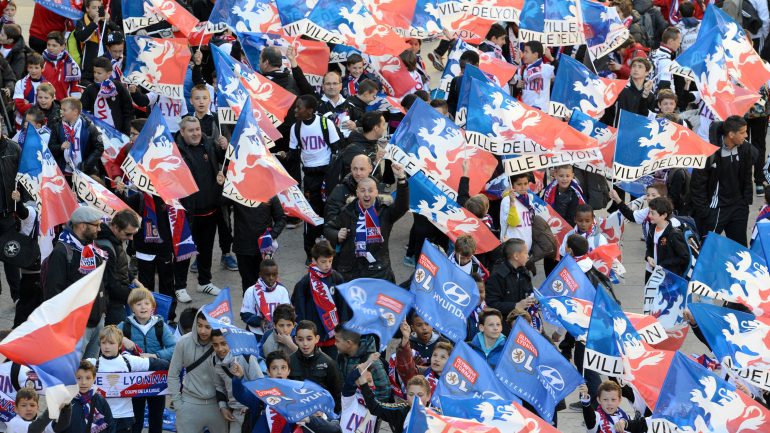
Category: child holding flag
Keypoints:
(608, 416)
(666, 246)
(261, 300)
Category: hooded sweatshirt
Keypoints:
(198, 383)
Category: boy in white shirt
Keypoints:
(534, 80)
(27, 419)
(260, 300)
(516, 211)
(585, 225)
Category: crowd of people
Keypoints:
(333, 144)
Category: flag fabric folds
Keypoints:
(158, 65)
(96, 195)
(293, 399)
(114, 141)
(576, 87)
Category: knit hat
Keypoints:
(85, 214)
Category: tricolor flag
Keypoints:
(694, 399)
(393, 75)
(603, 29)
(741, 341)
(154, 163)
(506, 416)
(296, 205)
(576, 87)
(114, 141)
(293, 15)
(559, 226)
(555, 23)
(498, 71)
(760, 243)
(379, 307)
(311, 55)
(246, 16)
(39, 174)
(179, 17)
(665, 297)
(612, 226)
(139, 14)
(95, 194)
(647, 145)
(606, 260)
(726, 270)
(252, 44)
(219, 314)
(71, 9)
(57, 325)
(605, 136)
(458, 19)
(158, 65)
(426, 199)
(504, 10)
(253, 174)
(610, 334)
(418, 19)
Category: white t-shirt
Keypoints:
(355, 417)
(121, 407)
(172, 109)
(315, 151)
(595, 240)
(251, 303)
(18, 425)
(537, 85)
(522, 231)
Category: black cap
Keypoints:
(114, 38)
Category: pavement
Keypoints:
(291, 258)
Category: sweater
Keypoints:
(198, 383)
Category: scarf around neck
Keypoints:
(71, 68)
(549, 195)
(88, 253)
(98, 422)
(322, 297)
(368, 230)
(102, 109)
(260, 288)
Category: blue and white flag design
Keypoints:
(554, 23)
(603, 29)
(293, 399)
(610, 335)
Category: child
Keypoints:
(232, 411)
(516, 211)
(314, 299)
(405, 360)
(355, 76)
(9, 13)
(280, 336)
(641, 216)
(116, 46)
(422, 339)
(75, 141)
(45, 100)
(494, 41)
(463, 256)
(473, 319)
(261, 299)
(110, 360)
(608, 415)
(36, 118)
(59, 68)
(26, 419)
(90, 32)
(108, 99)
(267, 420)
(394, 414)
(90, 406)
(665, 244)
(355, 349)
(564, 194)
(534, 80)
(585, 225)
(195, 402)
(200, 99)
(489, 342)
(309, 362)
(356, 104)
(147, 334)
(26, 88)
(578, 247)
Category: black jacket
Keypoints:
(7, 75)
(9, 165)
(321, 369)
(79, 422)
(630, 99)
(52, 115)
(116, 274)
(120, 105)
(89, 49)
(358, 267)
(209, 195)
(17, 59)
(506, 286)
(358, 144)
(164, 249)
(356, 108)
(251, 223)
(91, 146)
(672, 249)
(302, 300)
(339, 197)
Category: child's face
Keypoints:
(564, 177)
(368, 97)
(657, 218)
(420, 392)
(324, 264)
(521, 186)
(54, 47)
(101, 74)
(109, 348)
(44, 100)
(278, 369)
(667, 106)
(492, 327)
(284, 327)
(269, 275)
(30, 118)
(609, 400)
(438, 360)
(421, 328)
(85, 380)
(116, 51)
(638, 71)
(356, 69)
(463, 259)
(219, 344)
(201, 101)
(528, 56)
(68, 113)
(306, 341)
(584, 221)
(203, 329)
(142, 310)
(27, 409)
(652, 193)
(34, 71)
(10, 11)
(414, 45)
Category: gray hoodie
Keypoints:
(224, 379)
(199, 383)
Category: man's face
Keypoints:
(356, 69)
(366, 192)
(191, 133)
(116, 51)
(54, 47)
(675, 43)
(203, 329)
(89, 231)
(219, 344)
(361, 168)
(201, 101)
(34, 71)
(332, 85)
(381, 128)
(125, 234)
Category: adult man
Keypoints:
(373, 127)
(74, 256)
(203, 157)
(721, 191)
(9, 165)
(362, 229)
(360, 168)
(123, 226)
(510, 283)
(332, 101)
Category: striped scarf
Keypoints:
(549, 195)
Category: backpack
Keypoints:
(158, 327)
(647, 24)
(44, 268)
(692, 239)
(750, 17)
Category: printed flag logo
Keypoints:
(158, 65)
(576, 87)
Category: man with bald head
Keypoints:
(360, 168)
(362, 229)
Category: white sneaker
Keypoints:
(209, 289)
(182, 296)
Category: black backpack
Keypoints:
(692, 239)
(750, 17)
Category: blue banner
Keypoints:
(507, 416)
(378, 307)
(573, 314)
(221, 308)
(63, 8)
(466, 374)
(534, 369)
(444, 294)
(293, 399)
(219, 314)
(567, 279)
(608, 332)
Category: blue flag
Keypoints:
(378, 307)
(339, 53)
(444, 294)
(739, 340)
(573, 314)
(603, 29)
(466, 374)
(418, 419)
(221, 307)
(665, 297)
(63, 8)
(242, 16)
(535, 370)
(552, 22)
(695, 399)
(219, 314)
(507, 416)
(576, 87)
(469, 74)
(253, 43)
(609, 333)
(292, 14)
(293, 399)
(728, 271)
(760, 243)
(137, 15)
(567, 279)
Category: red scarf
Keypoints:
(605, 424)
(549, 195)
(276, 422)
(259, 294)
(322, 297)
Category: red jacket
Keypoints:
(55, 73)
(44, 22)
